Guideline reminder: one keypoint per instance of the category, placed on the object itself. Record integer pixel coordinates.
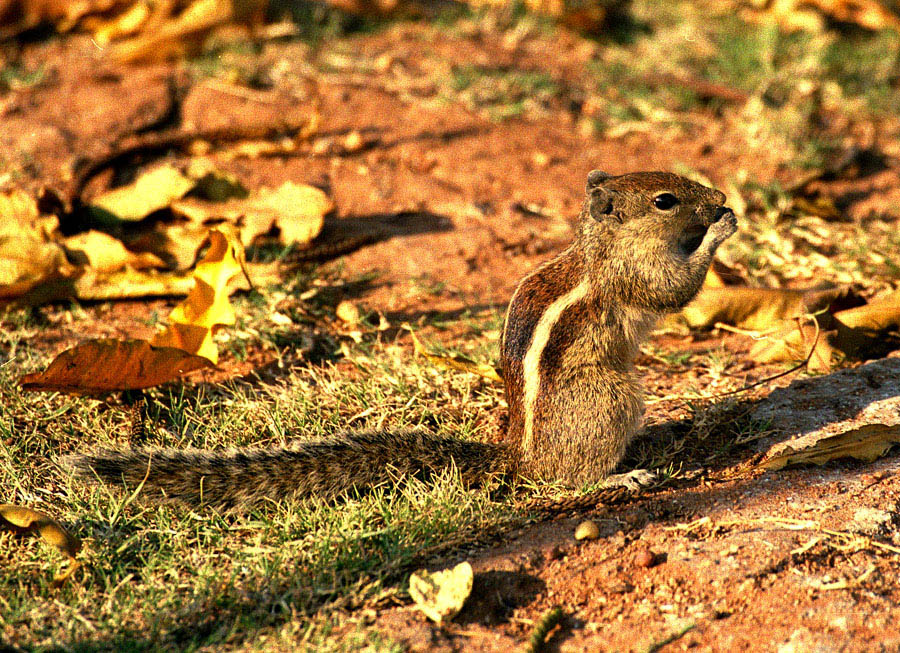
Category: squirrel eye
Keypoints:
(665, 201)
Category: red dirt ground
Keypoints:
(444, 190)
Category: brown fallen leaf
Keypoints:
(866, 443)
(194, 321)
(458, 363)
(101, 366)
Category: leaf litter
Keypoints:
(106, 365)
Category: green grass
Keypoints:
(174, 578)
(502, 92)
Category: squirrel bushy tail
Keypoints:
(233, 478)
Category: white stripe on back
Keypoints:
(531, 363)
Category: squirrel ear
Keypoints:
(600, 203)
(595, 178)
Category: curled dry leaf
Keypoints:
(22, 520)
(455, 362)
(442, 594)
(866, 443)
(100, 366)
(194, 321)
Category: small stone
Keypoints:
(347, 313)
(644, 558)
(353, 142)
(587, 530)
(871, 521)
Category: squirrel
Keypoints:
(643, 244)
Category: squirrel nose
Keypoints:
(721, 212)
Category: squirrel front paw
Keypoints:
(634, 480)
(722, 229)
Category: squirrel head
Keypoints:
(644, 231)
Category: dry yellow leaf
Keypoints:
(348, 313)
(22, 520)
(19, 215)
(131, 284)
(758, 309)
(104, 253)
(860, 332)
(866, 443)
(154, 189)
(795, 341)
(811, 14)
(27, 257)
(36, 521)
(19, 15)
(297, 210)
(26, 262)
(194, 321)
(880, 315)
(176, 243)
(186, 31)
(442, 594)
(130, 21)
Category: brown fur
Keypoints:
(572, 331)
(589, 405)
